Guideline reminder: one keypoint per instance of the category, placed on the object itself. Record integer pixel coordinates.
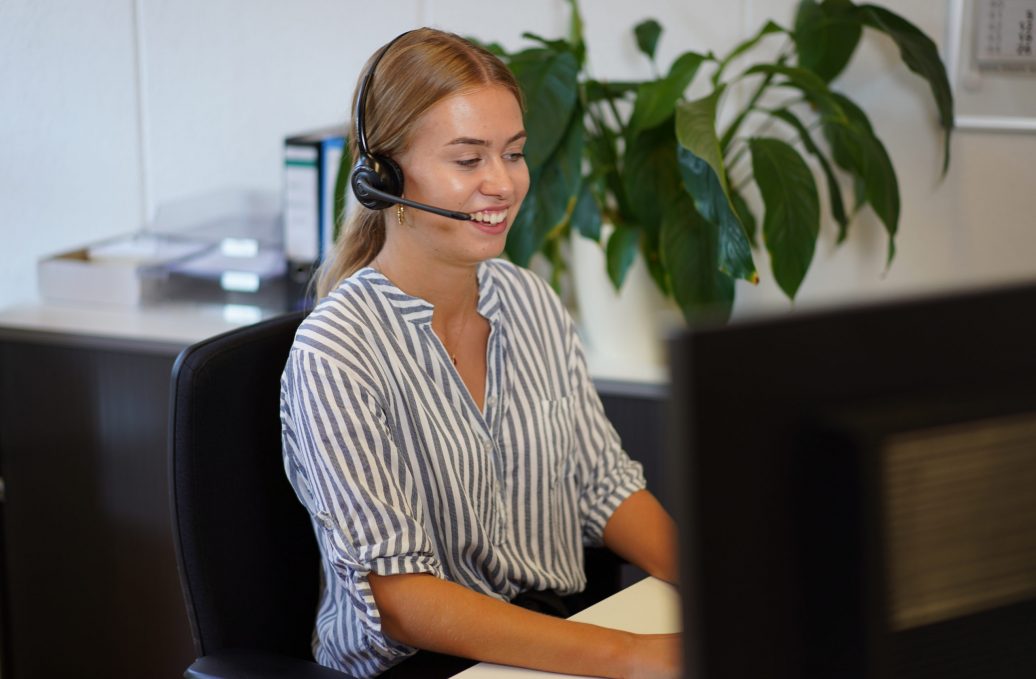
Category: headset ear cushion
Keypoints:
(379, 173)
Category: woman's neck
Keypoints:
(451, 289)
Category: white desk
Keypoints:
(647, 607)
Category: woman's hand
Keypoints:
(654, 656)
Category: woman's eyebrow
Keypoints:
(471, 141)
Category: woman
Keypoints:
(438, 420)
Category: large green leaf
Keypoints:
(696, 131)
(647, 33)
(704, 178)
(922, 57)
(879, 178)
(792, 218)
(689, 247)
(552, 250)
(826, 35)
(549, 82)
(651, 250)
(833, 188)
(714, 205)
(532, 223)
(586, 216)
(602, 151)
(553, 190)
(657, 99)
(834, 117)
(649, 174)
(620, 253)
(650, 183)
(565, 167)
(857, 149)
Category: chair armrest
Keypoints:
(238, 663)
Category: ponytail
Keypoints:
(357, 245)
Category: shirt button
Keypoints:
(487, 444)
(492, 400)
(326, 520)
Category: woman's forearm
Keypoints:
(429, 613)
(642, 532)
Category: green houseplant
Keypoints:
(671, 174)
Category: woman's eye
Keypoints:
(468, 162)
(515, 156)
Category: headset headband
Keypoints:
(361, 98)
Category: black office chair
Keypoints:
(248, 560)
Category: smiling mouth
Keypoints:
(489, 217)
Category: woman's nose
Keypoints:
(497, 180)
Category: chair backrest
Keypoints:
(248, 561)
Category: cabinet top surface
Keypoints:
(168, 324)
(180, 324)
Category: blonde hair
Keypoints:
(423, 67)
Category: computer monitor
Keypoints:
(859, 491)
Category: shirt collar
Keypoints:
(419, 311)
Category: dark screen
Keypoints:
(858, 491)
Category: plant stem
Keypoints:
(615, 112)
(766, 125)
(742, 184)
(731, 131)
(744, 148)
(732, 163)
(734, 126)
(597, 123)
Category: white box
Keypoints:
(125, 271)
(74, 277)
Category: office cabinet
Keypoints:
(90, 582)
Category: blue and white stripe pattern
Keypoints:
(402, 474)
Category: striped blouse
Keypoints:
(402, 473)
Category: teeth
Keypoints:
(489, 217)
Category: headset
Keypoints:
(377, 181)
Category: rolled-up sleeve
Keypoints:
(343, 462)
(609, 476)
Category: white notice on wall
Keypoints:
(1004, 35)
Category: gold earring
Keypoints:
(399, 213)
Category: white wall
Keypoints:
(110, 108)
(69, 144)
